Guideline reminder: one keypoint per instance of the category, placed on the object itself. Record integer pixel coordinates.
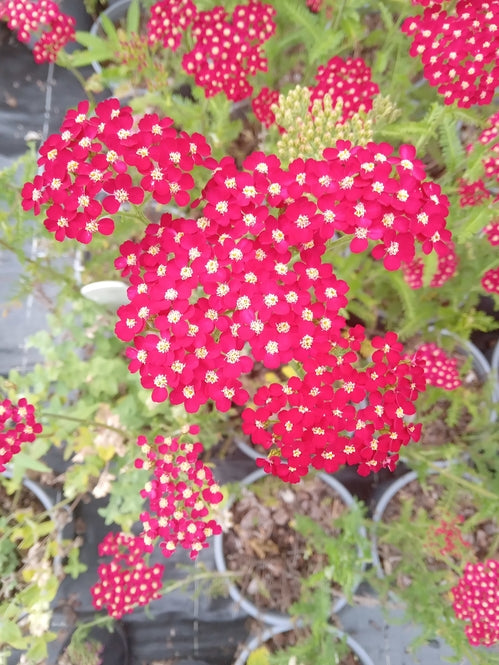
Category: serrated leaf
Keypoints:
(110, 30)
(85, 58)
(89, 40)
(474, 225)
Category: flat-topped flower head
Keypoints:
(126, 582)
(347, 81)
(168, 21)
(476, 601)
(179, 493)
(458, 49)
(490, 280)
(440, 369)
(44, 20)
(227, 48)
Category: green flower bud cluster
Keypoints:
(308, 133)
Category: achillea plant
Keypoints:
(276, 262)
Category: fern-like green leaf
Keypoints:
(450, 144)
(479, 219)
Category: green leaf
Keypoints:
(452, 149)
(430, 267)
(11, 633)
(85, 58)
(89, 40)
(110, 30)
(38, 651)
(74, 567)
(259, 656)
(133, 18)
(475, 224)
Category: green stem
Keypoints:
(88, 423)
(135, 217)
(168, 588)
(475, 488)
(46, 269)
(337, 15)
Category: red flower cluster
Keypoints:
(458, 50)
(248, 273)
(472, 193)
(490, 280)
(17, 426)
(439, 369)
(179, 495)
(348, 81)
(245, 281)
(446, 269)
(314, 5)
(492, 233)
(126, 582)
(477, 192)
(227, 49)
(44, 19)
(337, 413)
(169, 19)
(476, 601)
(262, 103)
(490, 137)
(85, 169)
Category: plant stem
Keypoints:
(338, 15)
(196, 578)
(89, 423)
(475, 488)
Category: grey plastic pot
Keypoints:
(494, 366)
(274, 618)
(379, 511)
(385, 499)
(259, 640)
(35, 489)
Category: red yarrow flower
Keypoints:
(179, 495)
(43, 19)
(458, 50)
(227, 49)
(168, 21)
(440, 370)
(17, 427)
(262, 106)
(476, 601)
(490, 280)
(127, 581)
(348, 81)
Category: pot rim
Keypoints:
(274, 618)
(36, 489)
(385, 499)
(258, 640)
(113, 8)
